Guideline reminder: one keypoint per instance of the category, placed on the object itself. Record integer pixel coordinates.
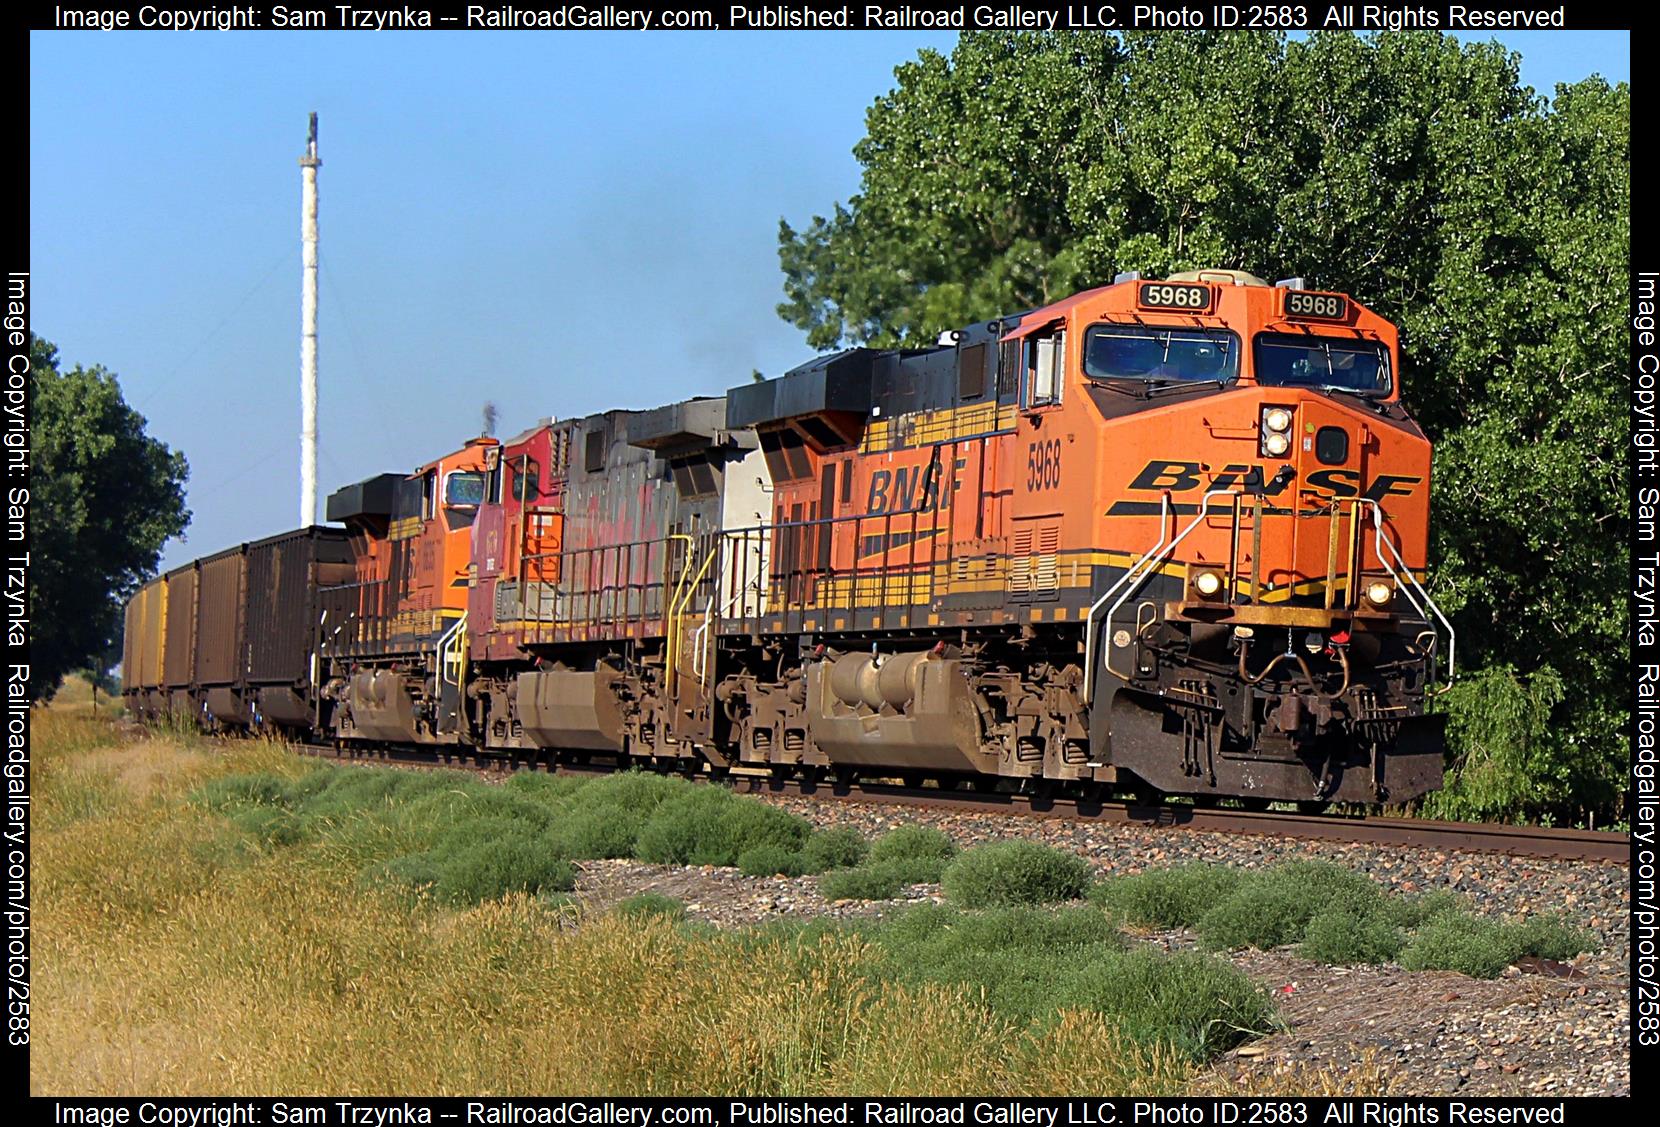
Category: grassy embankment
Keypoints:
(180, 952)
(227, 917)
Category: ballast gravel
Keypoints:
(1549, 1030)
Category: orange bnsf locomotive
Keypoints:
(1159, 537)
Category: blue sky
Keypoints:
(561, 223)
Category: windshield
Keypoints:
(1126, 352)
(1289, 360)
(464, 489)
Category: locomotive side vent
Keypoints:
(1020, 565)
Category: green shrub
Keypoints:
(497, 804)
(1482, 947)
(684, 827)
(1275, 906)
(1341, 937)
(1472, 945)
(747, 823)
(908, 842)
(470, 833)
(1029, 963)
(1196, 1004)
(839, 848)
(1175, 897)
(490, 870)
(1549, 937)
(1257, 914)
(1327, 885)
(1414, 911)
(299, 791)
(638, 791)
(912, 870)
(553, 790)
(770, 860)
(918, 935)
(597, 832)
(711, 826)
(1014, 872)
(868, 882)
(644, 904)
(345, 792)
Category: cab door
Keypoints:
(1035, 472)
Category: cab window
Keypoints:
(429, 495)
(464, 489)
(1297, 360)
(1044, 359)
(527, 485)
(1155, 355)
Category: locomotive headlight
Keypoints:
(1207, 583)
(1276, 419)
(1276, 444)
(1379, 594)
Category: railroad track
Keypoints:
(1472, 837)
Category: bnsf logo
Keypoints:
(1180, 477)
(896, 491)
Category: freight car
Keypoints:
(1164, 536)
(229, 641)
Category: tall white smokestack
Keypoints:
(309, 164)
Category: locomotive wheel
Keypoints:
(1255, 805)
(1313, 806)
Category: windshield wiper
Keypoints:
(1112, 386)
(1372, 401)
(1179, 385)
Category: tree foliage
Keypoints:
(1410, 170)
(105, 497)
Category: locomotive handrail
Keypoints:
(700, 656)
(452, 654)
(1380, 542)
(683, 593)
(1139, 571)
(602, 578)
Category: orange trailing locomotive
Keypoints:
(1163, 536)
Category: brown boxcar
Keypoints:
(220, 650)
(179, 645)
(283, 575)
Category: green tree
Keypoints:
(1410, 170)
(105, 497)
